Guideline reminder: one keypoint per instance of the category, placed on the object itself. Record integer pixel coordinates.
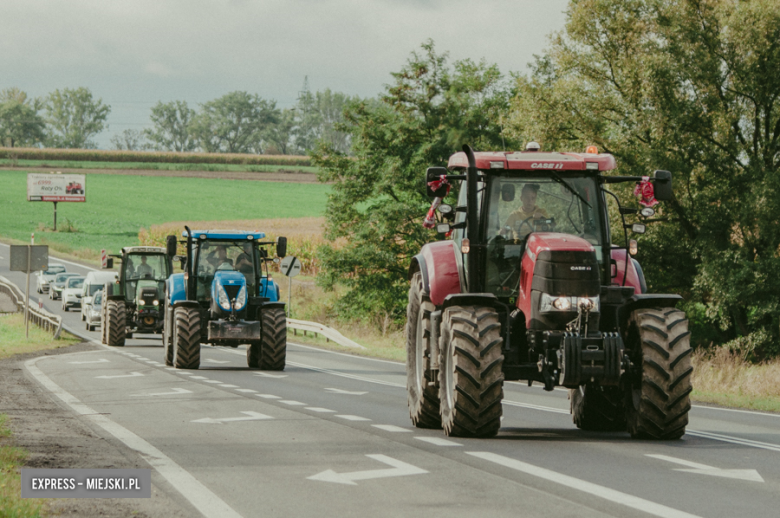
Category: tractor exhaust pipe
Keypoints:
(474, 257)
(189, 274)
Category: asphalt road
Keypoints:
(331, 436)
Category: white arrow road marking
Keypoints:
(750, 475)
(251, 416)
(93, 361)
(216, 361)
(606, 493)
(266, 375)
(131, 375)
(339, 391)
(176, 391)
(399, 469)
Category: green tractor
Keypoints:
(134, 304)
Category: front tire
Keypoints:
(597, 409)
(186, 338)
(273, 350)
(116, 322)
(658, 401)
(423, 396)
(471, 378)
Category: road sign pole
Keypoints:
(27, 296)
(289, 300)
(55, 216)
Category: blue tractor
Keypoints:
(224, 297)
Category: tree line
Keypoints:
(681, 85)
(237, 122)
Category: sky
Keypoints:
(134, 53)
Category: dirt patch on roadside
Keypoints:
(57, 438)
(271, 176)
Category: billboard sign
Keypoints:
(56, 187)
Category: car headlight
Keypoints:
(222, 298)
(553, 303)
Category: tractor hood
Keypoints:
(548, 241)
(229, 291)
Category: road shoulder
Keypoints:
(56, 438)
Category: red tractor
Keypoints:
(530, 287)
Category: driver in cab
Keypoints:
(526, 213)
(144, 270)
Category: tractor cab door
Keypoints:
(458, 235)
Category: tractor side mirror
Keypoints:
(109, 263)
(662, 185)
(431, 175)
(442, 228)
(182, 260)
(637, 228)
(281, 247)
(170, 246)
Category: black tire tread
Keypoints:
(116, 320)
(467, 352)
(273, 349)
(186, 338)
(597, 409)
(664, 392)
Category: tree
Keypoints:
(378, 198)
(316, 116)
(172, 129)
(693, 87)
(20, 123)
(277, 138)
(131, 140)
(234, 123)
(74, 117)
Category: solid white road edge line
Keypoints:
(590, 488)
(209, 504)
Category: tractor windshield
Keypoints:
(146, 270)
(214, 256)
(520, 206)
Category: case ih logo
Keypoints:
(546, 165)
(580, 268)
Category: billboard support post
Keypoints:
(55, 216)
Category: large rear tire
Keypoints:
(423, 396)
(115, 330)
(273, 350)
(167, 335)
(186, 338)
(470, 375)
(598, 409)
(657, 404)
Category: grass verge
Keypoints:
(11, 461)
(723, 378)
(14, 341)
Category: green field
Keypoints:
(160, 166)
(118, 206)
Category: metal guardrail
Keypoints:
(317, 328)
(38, 316)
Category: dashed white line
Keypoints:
(229, 386)
(292, 403)
(196, 377)
(268, 396)
(391, 428)
(353, 418)
(245, 390)
(590, 488)
(320, 409)
(211, 381)
(438, 441)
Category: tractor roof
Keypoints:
(143, 250)
(225, 234)
(536, 161)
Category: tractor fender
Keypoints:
(473, 299)
(175, 288)
(632, 278)
(269, 289)
(186, 304)
(441, 271)
(272, 305)
(644, 301)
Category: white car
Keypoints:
(45, 277)
(93, 312)
(71, 293)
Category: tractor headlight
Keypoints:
(156, 302)
(240, 301)
(222, 298)
(553, 303)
